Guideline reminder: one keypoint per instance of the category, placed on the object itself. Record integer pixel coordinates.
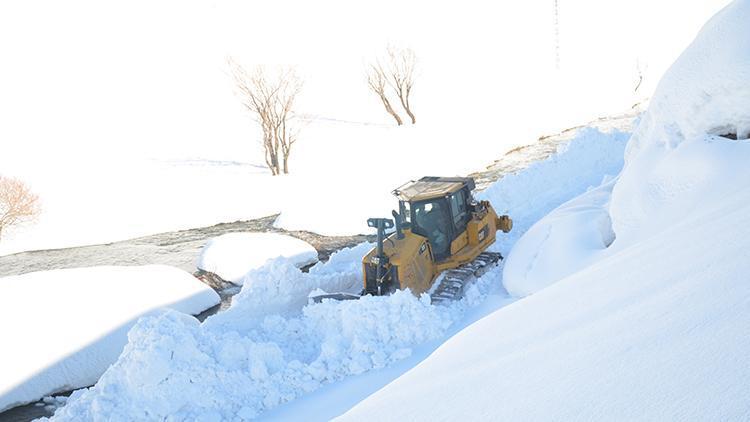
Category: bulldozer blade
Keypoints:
(335, 296)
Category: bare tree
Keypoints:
(271, 101)
(403, 62)
(17, 203)
(376, 79)
(398, 74)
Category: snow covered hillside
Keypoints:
(168, 147)
(62, 329)
(656, 332)
(270, 347)
(650, 322)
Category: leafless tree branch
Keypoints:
(271, 102)
(17, 203)
(403, 62)
(376, 80)
(398, 74)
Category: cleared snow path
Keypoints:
(269, 348)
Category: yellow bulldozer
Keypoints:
(441, 232)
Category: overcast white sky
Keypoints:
(148, 78)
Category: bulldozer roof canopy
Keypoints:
(432, 187)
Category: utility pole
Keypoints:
(557, 36)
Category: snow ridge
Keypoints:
(175, 368)
(582, 163)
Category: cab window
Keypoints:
(432, 219)
(459, 211)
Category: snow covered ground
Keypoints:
(270, 348)
(147, 154)
(654, 327)
(232, 255)
(62, 329)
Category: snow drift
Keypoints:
(653, 328)
(232, 255)
(568, 239)
(561, 242)
(61, 329)
(676, 162)
(585, 162)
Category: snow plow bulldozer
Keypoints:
(441, 233)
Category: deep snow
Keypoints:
(592, 157)
(675, 161)
(61, 329)
(232, 255)
(270, 348)
(566, 240)
(653, 327)
(656, 332)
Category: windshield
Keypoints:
(431, 219)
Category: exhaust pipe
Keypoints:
(381, 224)
(504, 223)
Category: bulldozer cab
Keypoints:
(437, 208)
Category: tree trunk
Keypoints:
(405, 105)
(411, 116)
(390, 110)
(274, 161)
(276, 168)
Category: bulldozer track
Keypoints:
(454, 282)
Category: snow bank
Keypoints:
(232, 255)
(529, 195)
(279, 287)
(566, 240)
(675, 161)
(63, 328)
(534, 261)
(249, 359)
